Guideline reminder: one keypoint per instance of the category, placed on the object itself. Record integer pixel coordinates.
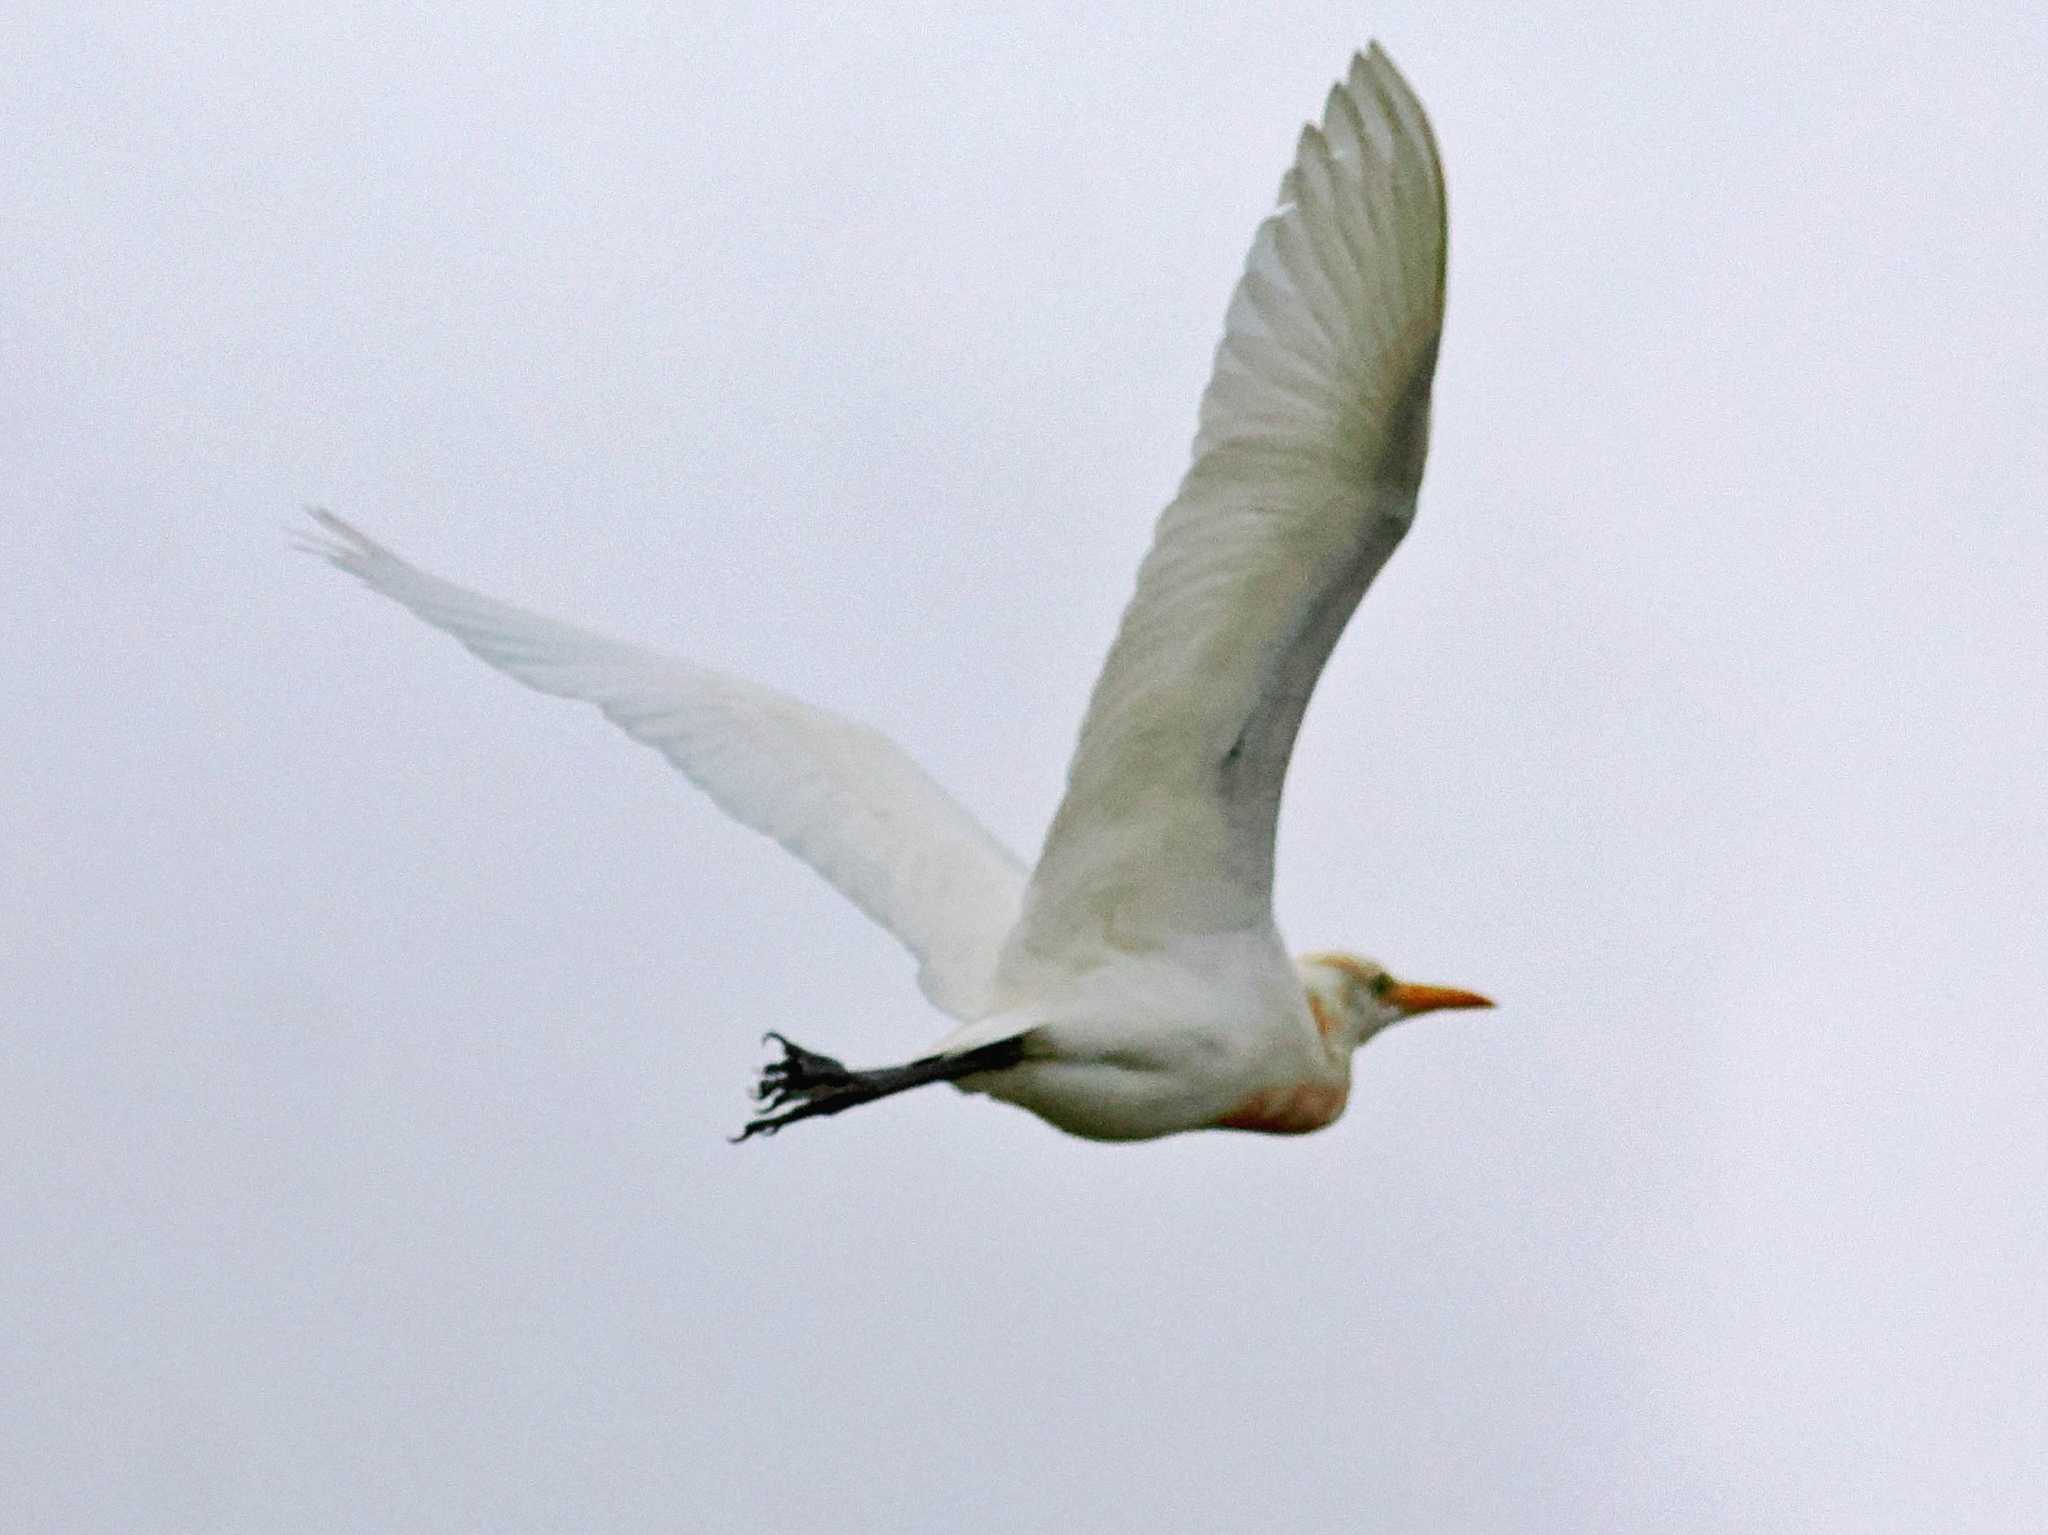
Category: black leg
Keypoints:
(817, 1084)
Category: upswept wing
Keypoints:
(842, 797)
(1312, 437)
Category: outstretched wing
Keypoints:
(842, 797)
(1306, 466)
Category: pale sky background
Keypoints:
(372, 1027)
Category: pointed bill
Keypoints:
(1412, 999)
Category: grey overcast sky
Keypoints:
(371, 1026)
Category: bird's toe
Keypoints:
(799, 1074)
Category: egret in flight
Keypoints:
(1132, 984)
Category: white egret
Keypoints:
(1132, 984)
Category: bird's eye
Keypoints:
(1382, 984)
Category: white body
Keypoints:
(1138, 961)
(1167, 1039)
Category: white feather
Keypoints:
(1313, 431)
(842, 797)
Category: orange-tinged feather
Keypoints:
(1292, 1110)
(1326, 1023)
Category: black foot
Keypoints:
(800, 1073)
(805, 1084)
(802, 1078)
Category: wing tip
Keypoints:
(1378, 89)
(1371, 112)
(331, 537)
(341, 544)
(1381, 93)
(1377, 64)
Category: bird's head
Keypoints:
(1353, 998)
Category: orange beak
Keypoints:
(1429, 999)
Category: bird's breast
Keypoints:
(1291, 1110)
